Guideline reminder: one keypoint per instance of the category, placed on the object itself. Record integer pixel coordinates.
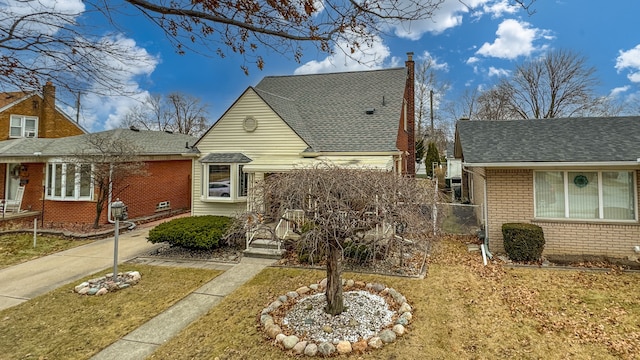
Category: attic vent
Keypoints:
(133, 128)
(370, 111)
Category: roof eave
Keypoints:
(554, 164)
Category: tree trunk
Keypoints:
(335, 301)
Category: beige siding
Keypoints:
(510, 199)
(272, 139)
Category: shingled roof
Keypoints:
(566, 140)
(329, 111)
(147, 142)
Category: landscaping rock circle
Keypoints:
(105, 284)
(374, 316)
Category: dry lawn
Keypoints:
(462, 310)
(64, 325)
(17, 248)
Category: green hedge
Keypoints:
(196, 232)
(523, 242)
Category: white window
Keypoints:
(23, 126)
(224, 182)
(69, 181)
(589, 195)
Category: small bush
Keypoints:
(359, 253)
(196, 232)
(523, 242)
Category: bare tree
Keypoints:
(428, 92)
(175, 112)
(495, 104)
(346, 204)
(40, 42)
(560, 84)
(110, 162)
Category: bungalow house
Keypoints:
(360, 118)
(577, 178)
(59, 189)
(30, 115)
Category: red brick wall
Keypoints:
(166, 181)
(510, 198)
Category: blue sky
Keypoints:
(472, 47)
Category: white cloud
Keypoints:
(472, 60)
(514, 39)
(619, 90)
(365, 58)
(498, 72)
(435, 64)
(449, 14)
(630, 60)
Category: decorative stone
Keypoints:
(135, 276)
(328, 329)
(79, 287)
(283, 298)
(384, 292)
(273, 331)
(323, 283)
(102, 291)
(326, 348)
(292, 295)
(264, 318)
(275, 305)
(397, 297)
(407, 316)
(398, 329)
(302, 290)
(299, 347)
(360, 284)
(344, 347)
(92, 291)
(405, 308)
(123, 286)
(311, 349)
(359, 346)
(84, 290)
(387, 336)
(349, 283)
(378, 287)
(402, 321)
(375, 342)
(290, 341)
(314, 287)
(280, 338)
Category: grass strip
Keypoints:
(18, 248)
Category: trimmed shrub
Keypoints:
(523, 242)
(196, 232)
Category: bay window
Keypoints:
(225, 181)
(588, 195)
(69, 182)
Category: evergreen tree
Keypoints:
(431, 157)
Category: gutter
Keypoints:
(485, 213)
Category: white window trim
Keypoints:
(76, 186)
(23, 132)
(565, 175)
(234, 182)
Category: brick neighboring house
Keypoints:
(360, 118)
(61, 192)
(577, 178)
(32, 115)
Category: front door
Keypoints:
(13, 181)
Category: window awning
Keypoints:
(266, 165)
(226, 158)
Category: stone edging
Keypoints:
(105, 284)
(387, 335)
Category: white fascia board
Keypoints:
(557, 164)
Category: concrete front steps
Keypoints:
(264, 249)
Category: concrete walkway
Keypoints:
(27, 280)
(143, 341)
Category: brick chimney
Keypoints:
(410, 99)
(48, 115)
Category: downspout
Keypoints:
(485, 215)
(109, 219)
